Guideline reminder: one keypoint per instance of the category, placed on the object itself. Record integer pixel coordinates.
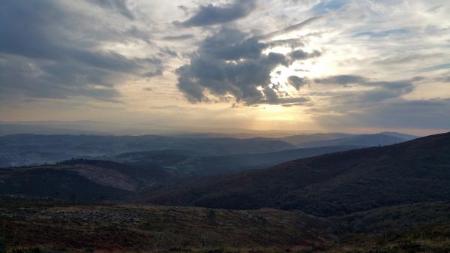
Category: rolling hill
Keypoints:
(302, 140)
(188, 163)
(131, 173)
(337, 139)
(28, 149)
(81, 181)
(339, 183)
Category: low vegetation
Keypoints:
(46, 226)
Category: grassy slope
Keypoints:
(83, 228)
(147, 228)
(420, 227)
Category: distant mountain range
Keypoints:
(130, 173)
(331, 184)
(340, 139)
(107, 176)
(20, 150)
(187, 163)
(31, 149)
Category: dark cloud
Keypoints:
(342, 80)
(47, 50)
(297, 82)
(292, 101)
(229, 44)
(21, 77)
(215, 14)
(302, 55)
(231, 63)
(179, 37)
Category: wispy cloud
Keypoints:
(217, 14)
(52, 51)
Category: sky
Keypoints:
(217, 66)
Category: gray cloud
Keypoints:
(385, 90)
(179, 37)
(380, 106)
(49, 51)
(291, 28)
(385, 33)
(342, 80)
(444, 79)
(379, 90)
(117, 5)
(424, 114)
(20, 76)
(436, 67)
(302, 55)
(297, 82)
(214, 14)
(292, 43)
(231, 63)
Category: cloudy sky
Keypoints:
(278, 65)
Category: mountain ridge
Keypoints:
(342, 182)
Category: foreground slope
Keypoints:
(338, 183)
(45, 226)
(90, 228)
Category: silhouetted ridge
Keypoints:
(339, 183)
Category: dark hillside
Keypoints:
(191, 164)
(56, 184)
(81, 180)
(48, 226)
(332, 184)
